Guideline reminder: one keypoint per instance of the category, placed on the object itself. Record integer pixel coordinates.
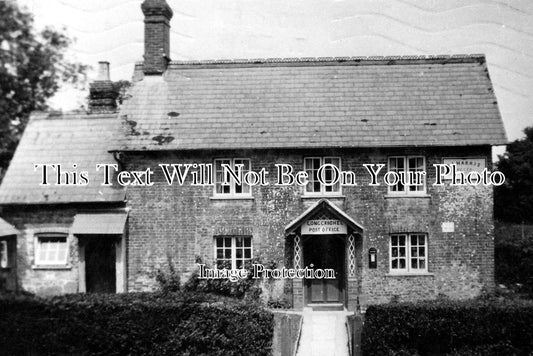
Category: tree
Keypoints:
(32, 66)
(514, 199)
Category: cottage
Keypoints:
(306, 119)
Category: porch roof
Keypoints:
(7, 229)
(323, 204)
(107, 223)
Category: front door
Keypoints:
(325, 252)
(100, 271)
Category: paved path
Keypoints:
(323, 334)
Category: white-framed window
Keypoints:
(409, 169)
(233, 189)
(51, 249)
(4, 254)
(312, 167)
(408, 253)
(232, 251)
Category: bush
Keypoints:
(477, 327)
(247, 288)
(169, 282)
(133, 324)
(514, 256)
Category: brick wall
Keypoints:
(176, 224)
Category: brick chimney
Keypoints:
(102, 94)
(157, 15)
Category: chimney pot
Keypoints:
(103, 71)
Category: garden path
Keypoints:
(323, 334)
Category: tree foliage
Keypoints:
(32, 67)
(514, 199)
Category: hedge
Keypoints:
(476, 327)
(133, 324)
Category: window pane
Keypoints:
(52, 250)
(240, 188)
(397, 164)
(236, 250)
(415, 244)
(219, 171)
(417, 182)
(61, 256)
(311, 166)
(239, 241)
(402, 263)
(330, 174)
(42, 254)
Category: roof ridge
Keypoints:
(77, 113)
(373, 59)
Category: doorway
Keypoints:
(324, 252)
(100, 269)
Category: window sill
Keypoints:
(322, 196)
(410, 274)
(395, 196)
(232, 198)
(51, 267)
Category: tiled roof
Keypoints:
(65, 138)
(314, 102)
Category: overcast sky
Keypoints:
(112, 30)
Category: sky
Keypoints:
(112, 30)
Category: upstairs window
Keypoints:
(233, 251)
(328, 174)
(51, 249)
(233, 189)
(408, 253)
(409, 169)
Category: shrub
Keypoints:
(133, 324)
(477, 327)
(169, 282)
(243, 288)
(514, 256)
(279, 303)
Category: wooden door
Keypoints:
(100, 270)
(325, 252)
